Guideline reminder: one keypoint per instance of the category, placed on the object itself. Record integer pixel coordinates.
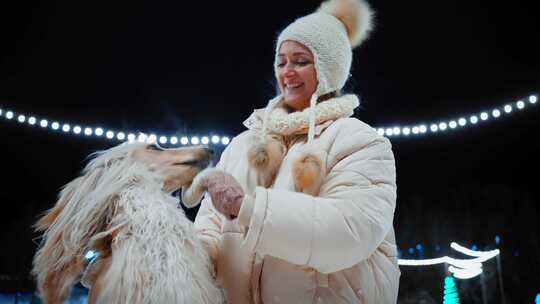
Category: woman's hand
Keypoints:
(226, 193)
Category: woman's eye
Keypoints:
(280, 65)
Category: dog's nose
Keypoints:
(210, 151)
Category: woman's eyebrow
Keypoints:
(294, 54)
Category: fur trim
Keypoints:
(356, 15)
(284, 123)
(308, 174)
(265, 156)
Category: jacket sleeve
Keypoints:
(347, 221)
(208, 221)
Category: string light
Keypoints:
(394, 131)
(120, 135)
(460, 268)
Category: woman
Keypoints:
(302, 210)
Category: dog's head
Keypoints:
(88, 204)
(176, 167)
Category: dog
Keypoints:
(121, 210)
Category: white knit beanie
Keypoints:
(330, 34)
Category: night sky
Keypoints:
(195, 68)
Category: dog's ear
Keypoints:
(65, 196)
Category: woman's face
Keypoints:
(296, 74)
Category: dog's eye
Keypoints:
(154, 147)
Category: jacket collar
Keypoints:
(284, 123)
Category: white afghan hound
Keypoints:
(121, 208)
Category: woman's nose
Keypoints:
(288, 71)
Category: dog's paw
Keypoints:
(307, 173)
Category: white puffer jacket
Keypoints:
(289, 247)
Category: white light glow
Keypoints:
(473, 119)
(194, 140)
(508, 108)
(453, 124)
(99, 131)
(87, 131)
(163, 140)
(142, 138)
(43, 123)
(460, 268)
(496, 113)
(21, 118)
(9, 115)
(533, 99)
(89, 255)
(442, 126)
(396, 131)
(406, 131)
(32, 120)
(462, 122)
(55, 125)
(66, 128)
(121, 136)
(467, 273)
(484, 116)
(205, 140)
(77, 130)
(184, 140)
(225, 140)
(433, 128)
(215, 139)
(109, 134)
(520, 105)
(415, 130)
(1, 112)
(423, 129)
(389, 132)
(131, 137)
(174, 140)
(380, 131)
(152, 138)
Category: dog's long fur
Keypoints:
(118, 207)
